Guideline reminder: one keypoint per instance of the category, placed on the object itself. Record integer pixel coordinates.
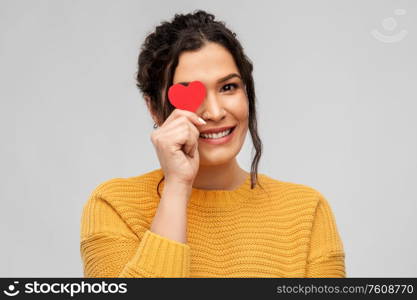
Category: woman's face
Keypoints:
(226, 102)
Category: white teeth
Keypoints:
(215, 135)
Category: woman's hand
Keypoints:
(176, 144)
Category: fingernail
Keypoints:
(201, 120)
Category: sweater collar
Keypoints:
(219, 198)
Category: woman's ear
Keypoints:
(149, 105)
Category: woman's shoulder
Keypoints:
(118, 184)
(139, 189)
(126, 199)
(290, 191)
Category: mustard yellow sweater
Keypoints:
(283, 230)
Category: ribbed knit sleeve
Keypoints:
(110, 248)
(326, 257)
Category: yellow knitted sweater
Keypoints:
(281, 230)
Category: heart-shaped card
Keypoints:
(187, 97)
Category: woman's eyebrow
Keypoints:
(228, 77)
(223, 79)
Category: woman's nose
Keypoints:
(212, 108)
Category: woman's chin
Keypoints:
(211, 159)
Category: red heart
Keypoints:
(187, 97)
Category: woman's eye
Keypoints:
(230, 84)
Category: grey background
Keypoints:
(336, 112)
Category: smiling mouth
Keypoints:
(219, 135)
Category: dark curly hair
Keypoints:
(159, 57)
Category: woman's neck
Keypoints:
(220, 177)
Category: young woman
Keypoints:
(201, 214)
